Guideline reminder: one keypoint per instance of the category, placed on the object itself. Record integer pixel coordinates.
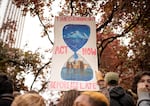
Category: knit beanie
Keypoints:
(6, 84)
(111, 76)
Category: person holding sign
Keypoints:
(101, 84)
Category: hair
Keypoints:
(137, 78)
(32, 91)
(29, 99)
(16, 93)
(68, 98)
(96, 98)
(6, 84)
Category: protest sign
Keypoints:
(74, 59)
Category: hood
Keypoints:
(116, 92)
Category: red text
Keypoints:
(61, 50)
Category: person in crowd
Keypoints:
(134, 95)
(91, 98)
(68, 98)
(141, 86)
(29, 99)
(118, 95)
(101, 84)
(6, 90)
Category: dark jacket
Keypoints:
(6, 99)
(119, 97)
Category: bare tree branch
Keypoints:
(43, 86)
(39, 72)
(115, 8)
(71, 6)
(106, 41)
(44, 28)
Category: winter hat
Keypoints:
(111, 76)
(99, 76)
(6, 84)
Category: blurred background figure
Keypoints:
(6, 90)
(118, 95)
(101, 84)
(68, 98)
(91, 98)
(141, 86)
(29, 99)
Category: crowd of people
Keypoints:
(110, 93)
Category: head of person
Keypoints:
(6, 84)
(91, 98)
(68, 97)
(29, 99)
(142, 77)
(111, 78)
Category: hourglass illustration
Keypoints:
(76, 67)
